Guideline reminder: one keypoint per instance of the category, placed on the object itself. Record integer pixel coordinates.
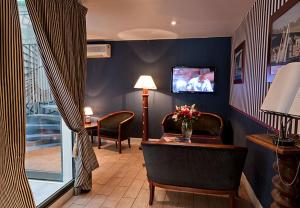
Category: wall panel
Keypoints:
(110, 81)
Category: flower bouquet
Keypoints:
(187, 115)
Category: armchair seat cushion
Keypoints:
(109, 132)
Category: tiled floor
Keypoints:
(121, 182)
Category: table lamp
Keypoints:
(87, 114)
(283, 98)
(146, 83)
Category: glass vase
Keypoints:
(186, 130)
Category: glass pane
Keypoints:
(43, 122)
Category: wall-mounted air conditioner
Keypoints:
(98, 51)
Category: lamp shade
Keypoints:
(145, 82)
(284, 94)
(88, 111)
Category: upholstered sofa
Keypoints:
(198, 168)
(208, 124)
(114, 127)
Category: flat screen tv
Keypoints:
(193, 79)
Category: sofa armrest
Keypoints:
(164, 121)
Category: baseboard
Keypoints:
(255, 202)
(63, 199)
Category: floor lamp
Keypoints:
(146, 83)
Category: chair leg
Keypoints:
(99, 142)
(116, 144)
(129, 142)
(232, 200)
(152, 190)
(120, 147)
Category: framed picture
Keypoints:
(239, 64)
(284, 40)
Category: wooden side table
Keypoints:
(284, 196)
(91, 128)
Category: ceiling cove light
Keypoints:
(173, 23)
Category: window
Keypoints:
(48, 159)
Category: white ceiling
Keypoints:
(150, 19)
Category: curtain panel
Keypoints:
(14, 186)
(60, 29)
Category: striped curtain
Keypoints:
(60, 29)
(14, 186)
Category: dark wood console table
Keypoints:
(284, 196)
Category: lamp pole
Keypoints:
(146, 83)
(145, 114)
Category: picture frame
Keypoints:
(239, 64)
(284, 37)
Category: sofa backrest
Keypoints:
(207, 124)
(203, 166)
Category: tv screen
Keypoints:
(190, 79)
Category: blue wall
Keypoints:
(110, 81)
(258, 168)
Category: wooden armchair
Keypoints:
(113, 127)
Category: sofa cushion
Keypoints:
(202, 132)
